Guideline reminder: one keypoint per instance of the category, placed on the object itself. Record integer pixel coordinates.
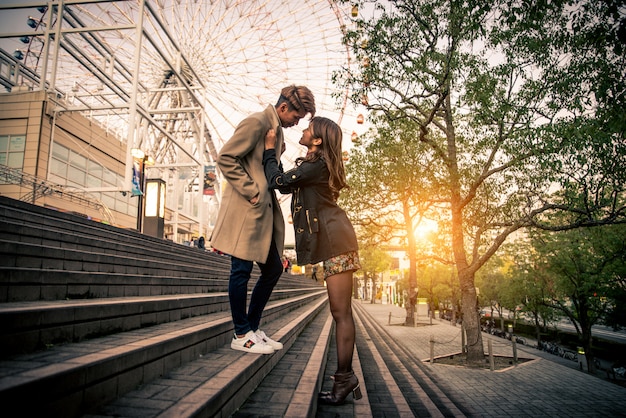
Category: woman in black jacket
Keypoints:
(323, 233)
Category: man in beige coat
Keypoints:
(250, 226)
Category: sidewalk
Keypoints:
(548, 386)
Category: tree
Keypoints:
(384, 170)
(530, 280)
(434, 285)
(585, 265)
(492, 282)
(520, 106)
(373, 261)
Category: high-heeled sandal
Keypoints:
(344, 384)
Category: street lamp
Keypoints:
(154, 208)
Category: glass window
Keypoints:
(71, 183)
(57, 179)
(109, 178)
(17, 143)
(61, 152)
(108, 199)
(121, 206)
(93, 181)
(132, 206)
(76, 176)
(94, 169)
(58, 168)
(78, 160)
(72, 169)
(106, 183)
(12, 150)
(15, 160)
(94, 195)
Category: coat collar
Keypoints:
(273, 118)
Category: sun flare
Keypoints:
(424, 229)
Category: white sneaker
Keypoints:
(276, 345)
(250, 343)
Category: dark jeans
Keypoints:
(238, 290)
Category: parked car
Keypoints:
(619, 368)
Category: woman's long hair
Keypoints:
(330, 151)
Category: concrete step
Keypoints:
(102, 312)
(33, 284)
(69, 380)
(69, 236)
(24, 285)
(31, 326)
(352, 408)
(291, 388)
(91, 258)
(48, 255)
(44, 219)
(220, 382)
(398, 383)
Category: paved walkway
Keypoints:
(548, 386)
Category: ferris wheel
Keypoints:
(241, 51)
(246, 51)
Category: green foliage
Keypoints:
(530, 281)
(588, 271)
(536, 97)
(585, 275)
(439, 284)
(388, 169)
(492, 283)
(374, 259)
(516, 110)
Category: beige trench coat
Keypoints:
(242, 229)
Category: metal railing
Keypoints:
(40, 187)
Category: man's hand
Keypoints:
(254, 200)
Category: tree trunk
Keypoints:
(537, 328)
(412, 245)
(586, 341)
(410, 311)
(471, 320)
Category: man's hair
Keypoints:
(298, 98)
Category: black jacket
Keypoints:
(322, 228)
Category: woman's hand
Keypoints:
(270, 139)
